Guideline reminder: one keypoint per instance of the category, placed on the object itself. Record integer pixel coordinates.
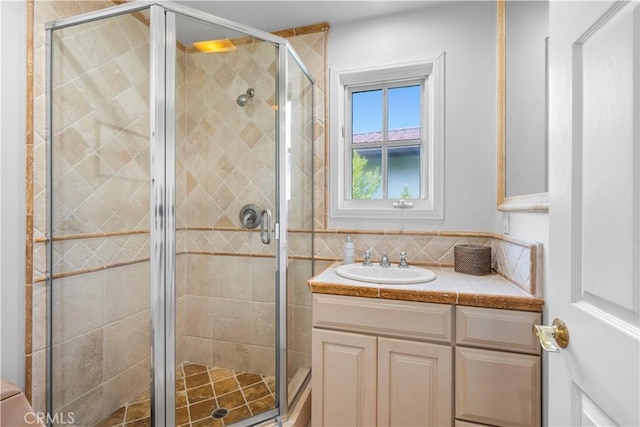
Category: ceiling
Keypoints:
(272, 16)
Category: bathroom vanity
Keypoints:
(455, 351)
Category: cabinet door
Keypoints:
(497, 388)
(344, 379)
(415, 383)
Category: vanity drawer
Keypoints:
(499, 329)
(403, 319)
(497, 388)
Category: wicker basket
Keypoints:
(472, 259)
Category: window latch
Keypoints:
(402, 204)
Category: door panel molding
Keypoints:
(605, 87)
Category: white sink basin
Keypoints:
(385, 275)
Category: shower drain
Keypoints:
(219, 413)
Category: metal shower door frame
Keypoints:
(162, 104)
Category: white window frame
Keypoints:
(347, 213)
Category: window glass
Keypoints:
(366, 177)
(380, 167)
(403, 113)
(367, 116)
(403, 172)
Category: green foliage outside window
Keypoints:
(365, 183)
(406, 193)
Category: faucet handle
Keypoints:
(384, 260)
(367, 258)
(403, 260)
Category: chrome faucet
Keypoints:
(403, 260)
(384, 261)
(367, 258)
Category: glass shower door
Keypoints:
(300, 226)
(225, 213)
(171, 178)
(98, 226)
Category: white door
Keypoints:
(594, 211)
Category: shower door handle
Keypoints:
(265, 226)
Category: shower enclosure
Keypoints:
(180, 222)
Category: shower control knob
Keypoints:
(250, 216)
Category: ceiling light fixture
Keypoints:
(209, 46)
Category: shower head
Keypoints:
(243, 99)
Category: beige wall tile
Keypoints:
(77, 305)
(263, 360)
(126, 386)
(300, 271)
(181, 350)
(232, 277)
(39, 317)
(181, 317)
(263, 324)
(200, 319)
(126, 291)
(39, 381)
(232, 355)
(320, 266)
(85, 410)
(200, 351)
(299, 328)
(69, 97)
(126, 342)
(232, 320)
(77, 367)
(263, 286)
(200, 274)
(133, 67)
(181, 275)
(136, 33)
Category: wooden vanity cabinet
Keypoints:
(391, 363)
(497, 376)
(361, 378)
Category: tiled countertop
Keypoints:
(449, 287)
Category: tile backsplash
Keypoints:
(516, 260)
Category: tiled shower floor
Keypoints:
(200, 390)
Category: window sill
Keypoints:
(383, 218)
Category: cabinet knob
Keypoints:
(558, 332)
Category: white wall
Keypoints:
(12, 189)
(466, 32)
